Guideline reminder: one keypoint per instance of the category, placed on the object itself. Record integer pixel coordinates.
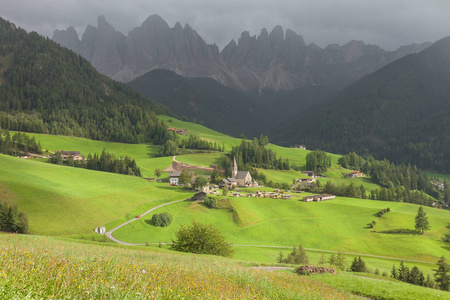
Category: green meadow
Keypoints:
(338, 225)
(61, 200)
(202, 131)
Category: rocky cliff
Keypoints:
(277, 60)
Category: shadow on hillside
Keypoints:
(400, 231)
(151, 150)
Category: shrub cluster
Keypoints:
(211, 202)
(295, 257)
(11, 220)
(162, 220)
(358, 265)
(383, 211)
(202, 239)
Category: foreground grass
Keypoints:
(379, 287)
(38, 267)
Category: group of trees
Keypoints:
(11, 220)
(18, 143)
(201, 239)
(297, 256)
(318, 161)
(163, 219)
(50, 89)
(413, 276)
(106, 162)
(341, 189)
(175, 145)
(253, 154)
(398, 182)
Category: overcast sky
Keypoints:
(387, 23)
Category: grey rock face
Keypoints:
(274, 61)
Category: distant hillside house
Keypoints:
(354, 174)
(309, 173)
(317, 198)
(181, 131)
(75, 155)
(303, 147)
(174, 177)
(178, 131)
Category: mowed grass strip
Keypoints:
(39, 267)
(62, 200)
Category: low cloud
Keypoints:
(389, 24)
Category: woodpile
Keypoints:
(306, 270)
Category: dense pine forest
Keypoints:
(401, 112)
(48, 89)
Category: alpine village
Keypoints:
(154, 165)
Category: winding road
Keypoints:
(109, 235)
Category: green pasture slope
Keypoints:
(145, 155)
(67, 201)
(339, 225)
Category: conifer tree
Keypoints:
(442, 275)
(421, 220)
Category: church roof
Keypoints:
(242, 174)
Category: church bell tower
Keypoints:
(234, 170)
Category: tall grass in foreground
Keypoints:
(39, 267)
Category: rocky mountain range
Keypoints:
(279, 60)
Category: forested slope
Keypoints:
(401, 112)
(48, 89)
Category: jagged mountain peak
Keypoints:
(272, 60)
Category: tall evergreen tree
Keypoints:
(442, 275)
(421, 220)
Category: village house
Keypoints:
(354, 174)
(174, 177)
(75, 155)
(317, 198)
(239, 178)
(310, 180)
(286, 196)
(200, 196)
(309, 173)
(178, 131)
(303, 147)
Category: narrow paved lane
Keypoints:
(109, 233)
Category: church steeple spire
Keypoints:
(234, 170)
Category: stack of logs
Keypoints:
(313, 269)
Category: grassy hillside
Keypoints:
(339, 224)
(39, 267)
(61, 200)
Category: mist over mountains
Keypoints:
(276, 60)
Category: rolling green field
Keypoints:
(202, 131)
(145, 155)
(62, 200)
(339, 225)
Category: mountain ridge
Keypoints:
(276, 60)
